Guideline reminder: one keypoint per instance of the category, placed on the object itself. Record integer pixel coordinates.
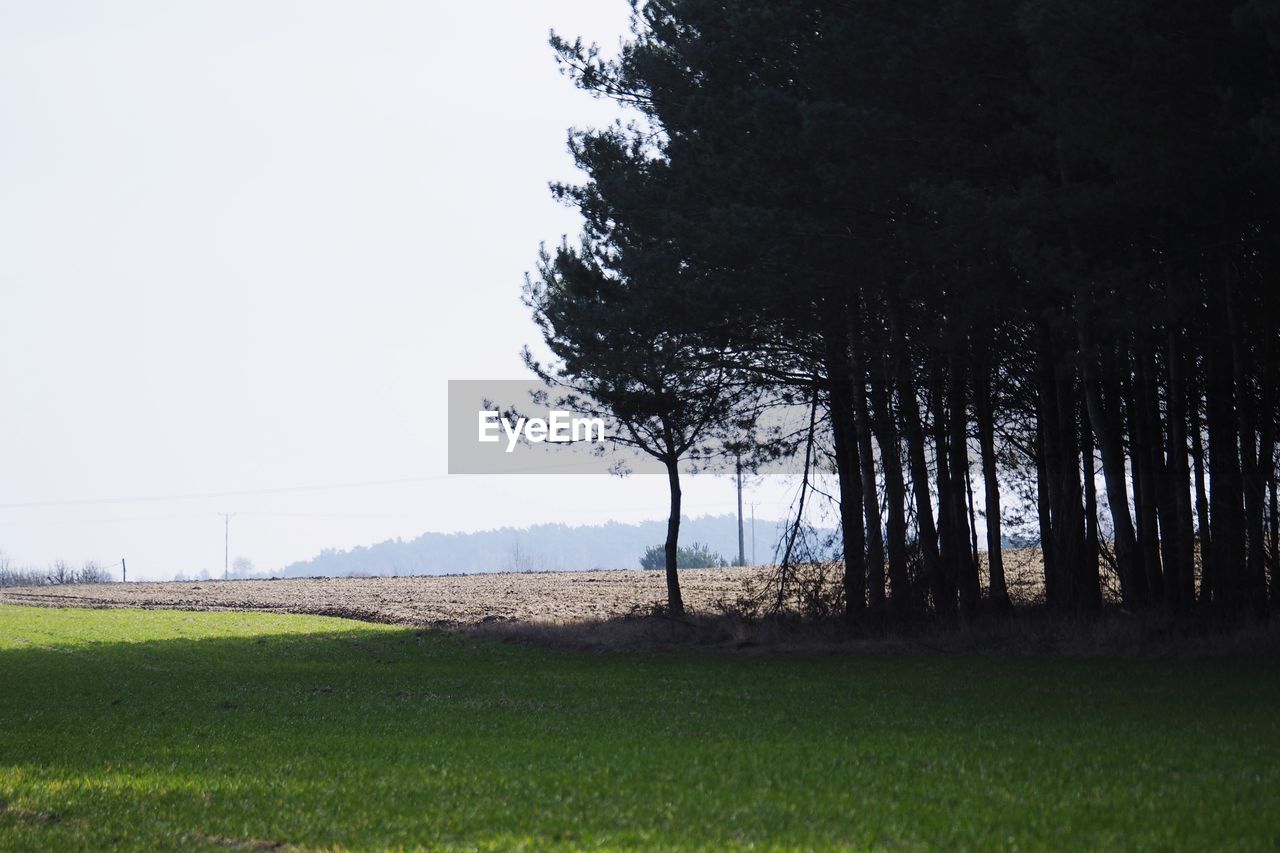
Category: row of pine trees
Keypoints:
(997, 242)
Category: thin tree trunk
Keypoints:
(984, 414)
(848, 472)
(675, 602)
(975, 552)
(1275, 542)
(1070, 531)
(1267, 462)
(926, 530)
(1162, 486)
(895, 489)
(1145, 481)
(1226, 485)
(966, 565)
(1270, 379)
(1044, 508)
(1104, 417)
(870, 498)
(1204, 531)
(950, 539)
(1253, 583)
(1092, 545)
(1180, 575)
(1047, 481)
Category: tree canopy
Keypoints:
(1003, 242)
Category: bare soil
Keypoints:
(592, 610)
(550, 598)
(544, 597)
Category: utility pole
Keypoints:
(226, 545)
(124, 571)
(742, 557)
(753, 535)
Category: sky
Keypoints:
(243, 248)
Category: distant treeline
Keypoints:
(60, 572)
(1001, 247)
(542, 547)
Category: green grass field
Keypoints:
(192, 730)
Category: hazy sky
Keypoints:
(244, 245)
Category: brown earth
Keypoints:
(526, 597)
(554, 597)
(588, 610)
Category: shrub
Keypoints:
(60, 572)
(695, 556)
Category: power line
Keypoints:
(169, 516)
(114, 520)
(187, 496)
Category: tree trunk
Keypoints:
(1044, 507)
(1145, 481)
(966, 566)
(1275, 542)
(1204, 530)
(1089, 467)
(886, 431)
(950, 536)
(675, 602)
(984, 414)
(848, 472)
(1058, 404)
(1253, 582)
(870, 497)
(1105, 419)
(1267, 464)
(1226, 487)
(1070, 530)
(1270, 379)
(1160, 474)
(926, 530)
(975, 553)
(1180, 575)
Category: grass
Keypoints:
(175, 730)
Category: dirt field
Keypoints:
(530, 597)
(465, 599)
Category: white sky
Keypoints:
(244, 245)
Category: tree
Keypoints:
(622, 356)
(695, 556)
(1044, 227)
